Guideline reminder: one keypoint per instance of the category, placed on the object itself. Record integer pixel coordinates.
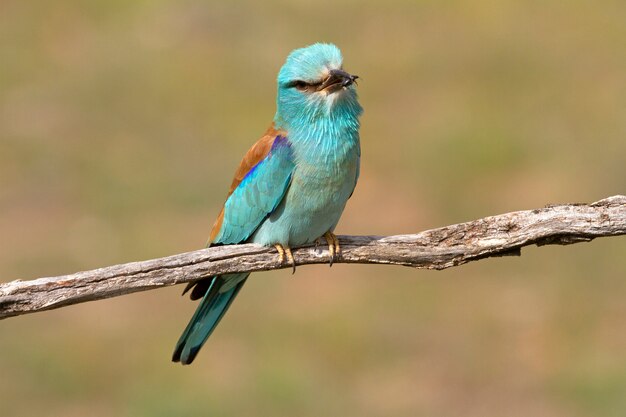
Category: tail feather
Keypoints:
(220, 294)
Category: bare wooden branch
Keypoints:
(441, 248)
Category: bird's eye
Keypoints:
(304, 86)
(300, 85)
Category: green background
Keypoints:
(121, 123)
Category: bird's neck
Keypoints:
(318, 134)
(326, 140)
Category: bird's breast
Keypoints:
(323, 179)
(321, 185)
(328, 168)
(325, 182)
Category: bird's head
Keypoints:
(313, 84)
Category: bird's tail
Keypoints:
(221, 292)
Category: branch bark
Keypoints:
(441, 248)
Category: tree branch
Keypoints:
(502, 235)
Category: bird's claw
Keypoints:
(285, 252)
(333, 246)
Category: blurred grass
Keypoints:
(121, 124)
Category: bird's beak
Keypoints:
(337, 79)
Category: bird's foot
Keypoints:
(285, 252)
(333, 246)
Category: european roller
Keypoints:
(292, 185)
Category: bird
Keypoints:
(292, 185)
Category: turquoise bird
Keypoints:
(292, 185)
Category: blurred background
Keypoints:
(121, 124)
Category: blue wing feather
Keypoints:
(250, 203)
(258, 194)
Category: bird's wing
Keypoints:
(260, 183)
